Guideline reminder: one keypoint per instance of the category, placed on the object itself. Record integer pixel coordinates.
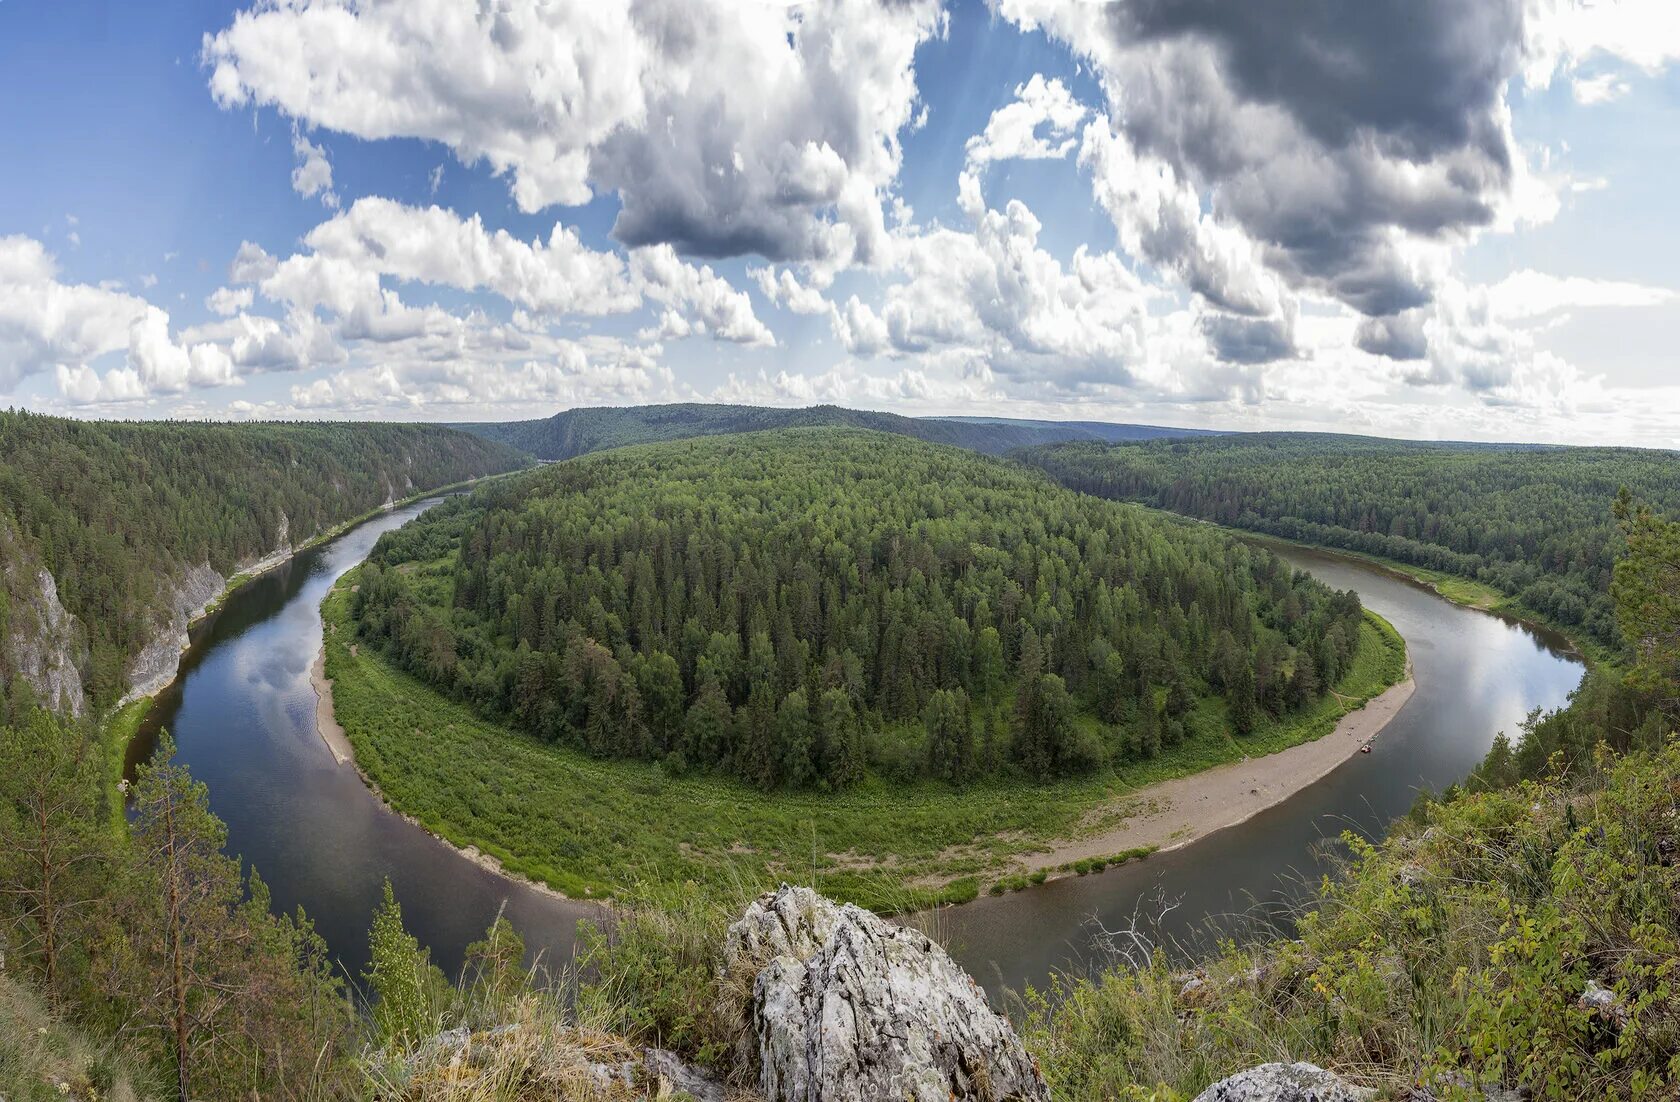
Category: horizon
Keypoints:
(248, 211)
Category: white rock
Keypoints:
(1298, 1082)
(852, 1009)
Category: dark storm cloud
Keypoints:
(1399, 337)
(1240, 340)
(1327, 129)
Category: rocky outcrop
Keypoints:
(155, 665)
(1298, 1082)
(846, 1007)
(40, 640)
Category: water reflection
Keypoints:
(242, 714)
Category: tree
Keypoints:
(54, 844)
(949, 727)
(842, 739)
(1646, 589)
(795, 741)
(495, 971)
(400, 975)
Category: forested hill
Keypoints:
(1533, 523)
(798, 606)
(580, 431)
(118, 515)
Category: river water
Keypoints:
(242, 713)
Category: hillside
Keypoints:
(580, 431)
(112, 532)
(1532, 525)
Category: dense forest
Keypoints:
(577, 432)
(1533, 523)
(754, 603)
(117, 512)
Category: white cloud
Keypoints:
(49, 325)
(251, 264)
(568, 99)
(707, 302)
(784, 288)
(228, 301)
(1599, 89)
(1562, 35)
(432, 245)
(1040, 123)
(1529, 294)
(313, 174)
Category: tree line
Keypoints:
(756, 604)
(117, 512)
(1534, 523)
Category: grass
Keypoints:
(42, 1059)
(1450, 958)
(593, 829)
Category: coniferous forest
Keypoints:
(116, 512)
(755, 604)
(1533, 523)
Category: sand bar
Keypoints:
(1177, 812)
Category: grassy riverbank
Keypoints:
(591, 828)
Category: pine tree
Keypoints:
(54, 844)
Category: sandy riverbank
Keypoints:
(1177, 812)
(326, 724)
(338, 744)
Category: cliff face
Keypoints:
(155, 665)
(40, 641)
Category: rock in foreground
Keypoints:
(1299, 1082)
(846, 1007)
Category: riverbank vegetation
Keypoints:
(804, 609)
(1532, 525)
(118, 512)
(590, 827)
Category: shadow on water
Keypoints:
(242, 714)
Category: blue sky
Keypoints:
(1168, 213)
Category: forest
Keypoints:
(576, 432)
(116, 512)
(1533, 523)
(758, 604)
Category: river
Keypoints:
(242, 713)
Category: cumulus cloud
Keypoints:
(1331, 137)
(433, 245)
(313, 174)
(48, 325)
(1560, 36)
(228, 301)
(705, 302)
(378, 238)
(725, 128)
(1039, 124)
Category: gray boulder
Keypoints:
(1298, 1082)
(846, 1007)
